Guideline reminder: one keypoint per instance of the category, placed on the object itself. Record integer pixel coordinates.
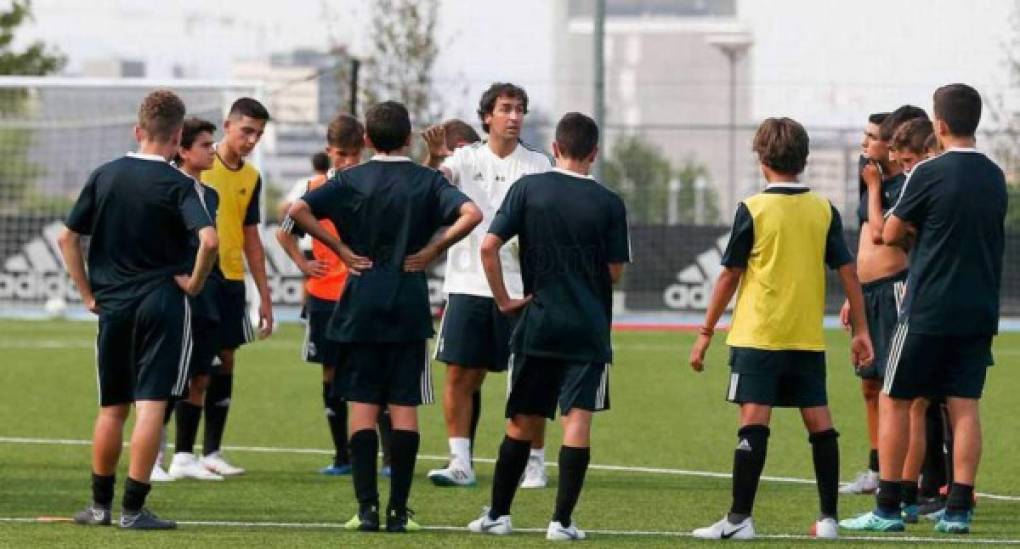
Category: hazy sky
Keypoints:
(825, 62)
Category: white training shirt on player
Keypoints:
(486, 178)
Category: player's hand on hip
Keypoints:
(513, 306)
(863, 353)
(184, 283)
(420, 260)
(265, 319)
(844, 316)
(314, 269)
(435, 139)
(355, 263)
(697, 358)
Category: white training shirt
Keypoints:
(486, 178)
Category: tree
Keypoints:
(642, 175)
(16, 171)
(1005, 144)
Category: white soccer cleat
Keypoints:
(186, 465)
(215, 463)
(534, 474)
(556, 532)
(454, 474)
(724, 529)
(825, 529)
(485, 525)
(159, 475)
(865, 483)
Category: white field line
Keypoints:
(595, 466)
(463, 529)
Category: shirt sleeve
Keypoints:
(913, 203)
(738, 249)
(192, 209)
(837, 253)
(619, 234)
(251, 216)
(82, 213)
(449, 199)
(509, 218)
(453, 163)
(323, 200)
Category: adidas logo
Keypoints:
(37, 272)
(479, 176)
(744, 446)
(694, 284)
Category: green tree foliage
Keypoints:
(17, 173)
(641, 174)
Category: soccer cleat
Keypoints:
(400, 521)
(873, 522)
(159, 475)
(453, 475)
(485, 525)
(336, 470)
(865, 483)
(94, 515)
(931, 509)
(186, 465)
(145, 520)
(825, 528)
(954, 523)
(557, 532)
(534, 474)
(367, 520)
(215, 463)
(910, 514)
(724, 529)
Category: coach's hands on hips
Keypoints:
(355, 263)
(420, 260)
(699, 349)
(861, 351)
(184, 282)
(512, 305)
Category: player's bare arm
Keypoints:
(312, 268)
(895, 232)
(860, 346)
(303, 218)
(494, 275)
(74, 259)
(205, 259)
(470, 217)
(872, 176)
(725, 287)
(256, 257)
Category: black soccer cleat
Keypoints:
(94, 515)
(400, 521)
(145, 520)
(367, 520)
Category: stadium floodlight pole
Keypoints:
(598, 52)
(732, 45)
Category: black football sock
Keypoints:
(933, 472)
(476, 414)
(909, 492)
(748, 462)
(134, 495)
(513, 458)
(573, 466)
(188, 418)
(873, 460)
(404, 451)
(336, 417)
(385, 429)
(168, 412)
(217, 404)
(102, 489)
(961, 498)
(889, 497)
(364, 447)
(825, 453)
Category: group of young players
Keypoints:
(533, 251)
(930, 257)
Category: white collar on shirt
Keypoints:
(144, 156)
(785, 185)
(962, 150)
(573, 174)
(390, 158)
